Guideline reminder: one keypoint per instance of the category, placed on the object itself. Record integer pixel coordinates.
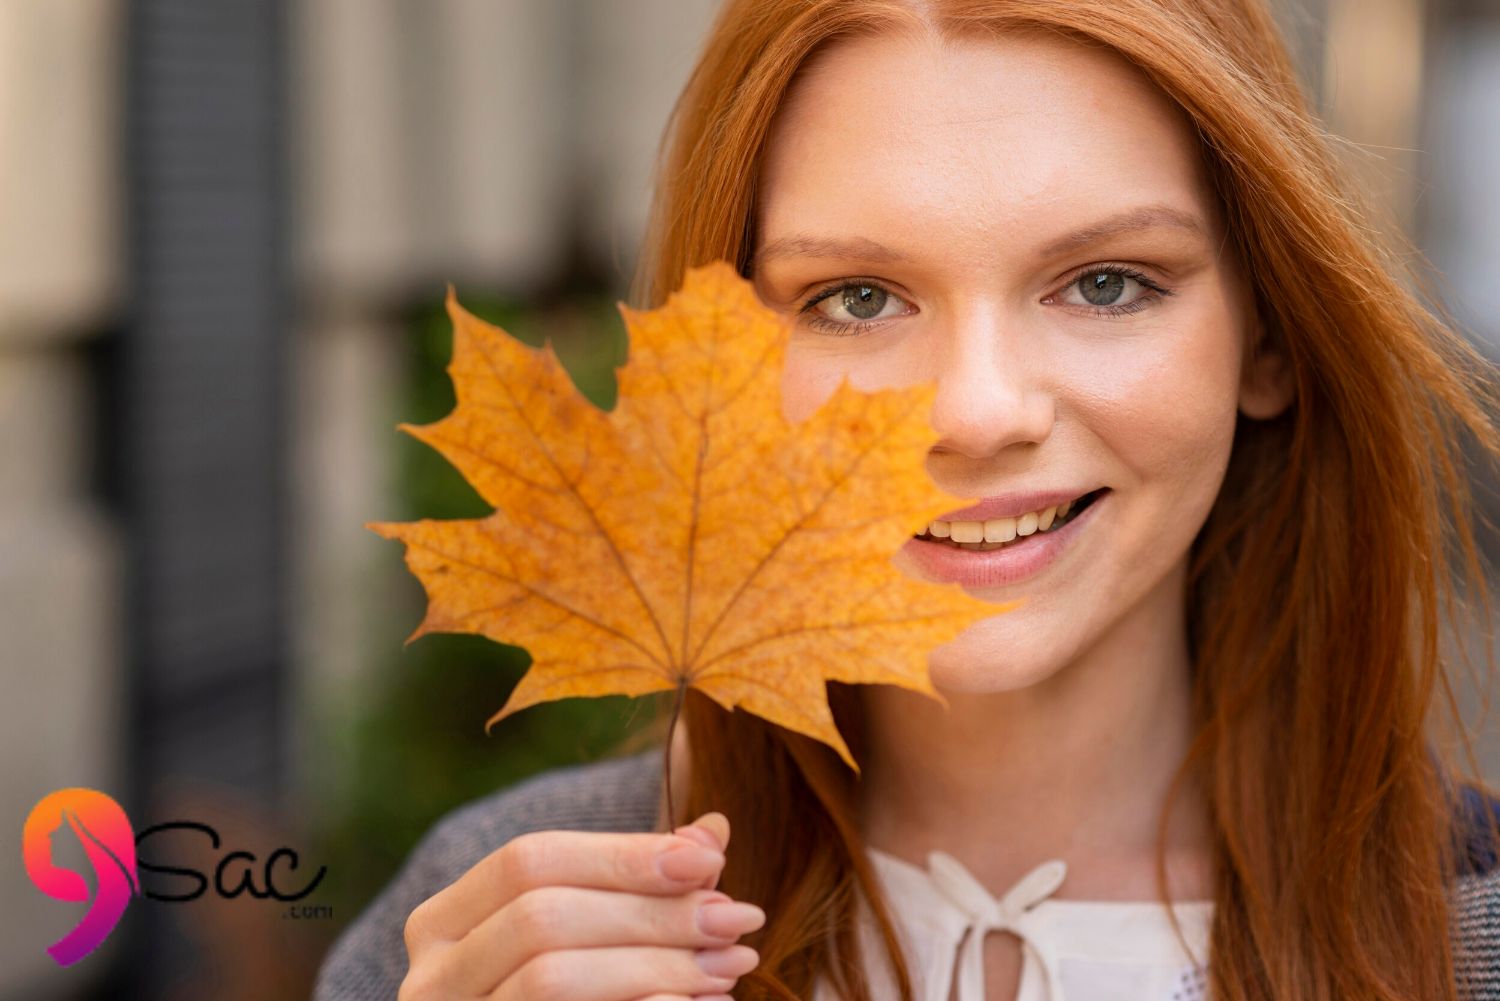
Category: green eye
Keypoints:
(1102, 288)
(864, 302)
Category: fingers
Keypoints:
(711, 831)
(587, 917)
(715, 824)
(562, 918)
(652, 864)
(624, 973)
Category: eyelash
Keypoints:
(819, 322)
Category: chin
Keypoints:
(987, 657)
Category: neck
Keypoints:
(1074, 767)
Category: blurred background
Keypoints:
(226, 227)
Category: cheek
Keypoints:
(805, 384)
(1163, 404)
(816, 364)
(1156, 411)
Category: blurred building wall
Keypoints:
(61, 273)
(1457, 205)
(1454, 165)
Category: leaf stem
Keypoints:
(667, 763)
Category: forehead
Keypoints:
(1025, 134)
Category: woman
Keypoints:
(1115, 238)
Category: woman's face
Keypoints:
(1024, 222)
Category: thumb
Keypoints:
(710, 830)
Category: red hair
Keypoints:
(1317, 584)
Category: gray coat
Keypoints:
(368, 961)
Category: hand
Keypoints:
(583, 916)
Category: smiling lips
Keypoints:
(994, 533)
(1003, 563)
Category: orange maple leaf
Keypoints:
(691, 537)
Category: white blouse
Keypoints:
(1072, 950)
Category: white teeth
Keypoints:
(999, 530)
(966, 531)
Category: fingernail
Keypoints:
(731, 961)
(729, 919)
(688, 862)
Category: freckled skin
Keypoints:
(1066, 717)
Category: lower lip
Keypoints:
(997, 567)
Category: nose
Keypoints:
(990, 393)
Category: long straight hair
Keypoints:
(1318, 583)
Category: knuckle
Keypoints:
(417, 931)
(524, 858)
(543, 978)
(661, 966)
(418, 985)
(653, 919)
(537, 918)
(633, 863)
(674, 967)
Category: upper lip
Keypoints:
(1013, 504)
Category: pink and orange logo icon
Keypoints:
(109, 842)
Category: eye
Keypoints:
(851, 306)
(1107, 288)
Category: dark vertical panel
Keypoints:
(202, 430)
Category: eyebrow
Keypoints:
(817, 246)
(1131, 220)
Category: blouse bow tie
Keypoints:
(987, 914)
